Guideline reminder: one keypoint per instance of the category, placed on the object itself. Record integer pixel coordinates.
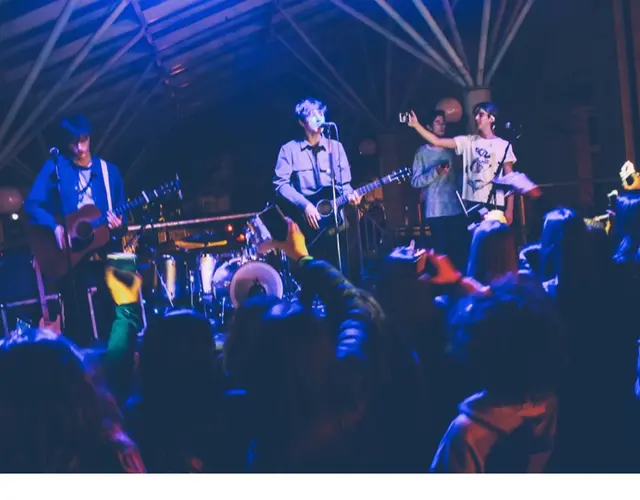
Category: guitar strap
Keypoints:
(105, 177)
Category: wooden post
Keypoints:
(623, 75)
(635, 30)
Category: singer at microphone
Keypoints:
(303, 170)
(84, 179)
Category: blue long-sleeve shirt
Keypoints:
(44, 205)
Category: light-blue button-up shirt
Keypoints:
(302, 170)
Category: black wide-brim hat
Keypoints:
(76, 126)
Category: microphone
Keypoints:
(54, 151)
(327, 124)
(516, 128)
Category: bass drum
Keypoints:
(237, 280)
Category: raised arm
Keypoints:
(430, 137)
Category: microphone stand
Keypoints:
(334, 197)
(65, 229)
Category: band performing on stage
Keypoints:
(78, 221)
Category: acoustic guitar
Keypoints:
(323, 201)
(88, 231)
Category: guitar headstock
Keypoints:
(401, 175)
(168, 187)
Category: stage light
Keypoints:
(229, 228)
(15, 216)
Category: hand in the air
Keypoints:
(313, 216)
(445, 272)
(114, 221)
(354, 199)
(413, 120)
(295, 246)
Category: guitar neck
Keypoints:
(130, 205)
(367, 188)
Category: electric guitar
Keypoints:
(45, 321)
(323, 201)
(88, 231)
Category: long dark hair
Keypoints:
(493, 252)
(53, 418)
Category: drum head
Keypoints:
(255, 278)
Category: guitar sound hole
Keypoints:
(324, 208)
(84, 230)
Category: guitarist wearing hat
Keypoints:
(85, 179)
(303, 169)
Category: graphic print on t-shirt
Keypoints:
(480, 158)
(477, 177)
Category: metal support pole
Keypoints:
(124, 105)
(398, 41)
(313, 70)
(105, 67)
(135, 114)
(496, 28)
(435, 29)
(95, 38)
(158, 60)
(408, 29)
(507, 43)
(457, 39)
(329, 66)
(59, 27)
(484, 33)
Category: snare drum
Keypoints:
(206, 266)
(172, 278)
(237, 281)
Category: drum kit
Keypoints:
(207, 273)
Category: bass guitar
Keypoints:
(323, 201)
(88, 231)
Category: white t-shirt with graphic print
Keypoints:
(85, 193)
(480, 160)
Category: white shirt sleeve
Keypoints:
(463, 143)
(511, 156)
